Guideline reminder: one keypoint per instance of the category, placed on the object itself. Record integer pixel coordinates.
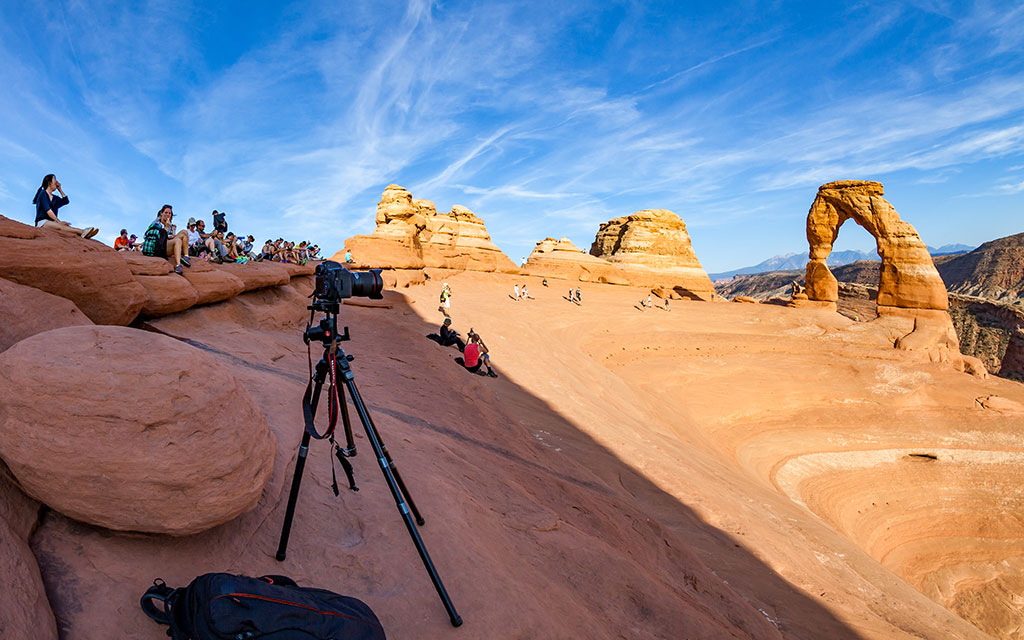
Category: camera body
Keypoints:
(335, 283)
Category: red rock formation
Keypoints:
(161, 437)
(410, 234)
(653, 248)
(167, 294)
(24, 610)
(911, 295)
(88, 273)
(908, 279)
(1013, 360)
(562, 259)
(26, 311)
(212, 284)
(258, 275)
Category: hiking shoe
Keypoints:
(177, 270)
(185, 261)
(492, 374)
(227, 259)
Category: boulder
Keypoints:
(411, 234)
(27, 311)
(908, 276)
(24, 610)
(562, 259)
(653, 249)
(141, 265)
(87, 272)
(212, 284)
(299, 269)
(258, 275)
(168, 294)
(138, 432)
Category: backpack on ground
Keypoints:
(222, 606)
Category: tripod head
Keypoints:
(326, 331)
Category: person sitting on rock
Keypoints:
(268, 250)
(158, 244)
(524, 294)
(196, 245)
(47, 206)
(133, 243)
(484, 355)
(121, 243)
(449, 336)
(348, 257)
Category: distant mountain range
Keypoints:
(795, 261)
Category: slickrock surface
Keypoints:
(908, 276)
(87, 272)
(137, 432)
(25, 311)
(728, 479)
(411, 234)
(653, 248)
(562, 259)
(24, 610)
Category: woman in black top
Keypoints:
(47, 206)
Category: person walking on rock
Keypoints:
(47, 206)
(446, 297)
(515, 289)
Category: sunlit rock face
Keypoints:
(411, 234)
(562, 259)
(653, 248)
(908, 278)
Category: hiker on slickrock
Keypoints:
(47, 206)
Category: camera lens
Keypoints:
(368, 284)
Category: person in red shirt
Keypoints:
(122, 244)
(475, 356)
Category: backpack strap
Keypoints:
(159, 591)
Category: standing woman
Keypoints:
(47, 205)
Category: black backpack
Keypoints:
(222, 606)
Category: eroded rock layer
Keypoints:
(411, 234)
(562, 259)
(653, 248)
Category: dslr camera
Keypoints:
(335, 283)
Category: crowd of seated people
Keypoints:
(218, 245)
(163, 239)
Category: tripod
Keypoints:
(335, 365)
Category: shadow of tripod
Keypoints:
(334, 366)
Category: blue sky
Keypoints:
(544, 118)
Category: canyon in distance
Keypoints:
(839, 457)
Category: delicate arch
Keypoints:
(908, 277)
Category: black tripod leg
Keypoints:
(300, 465)
(399, 495)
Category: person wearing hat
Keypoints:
(196, 244)
(449, 336)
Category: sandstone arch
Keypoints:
(908, 279)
